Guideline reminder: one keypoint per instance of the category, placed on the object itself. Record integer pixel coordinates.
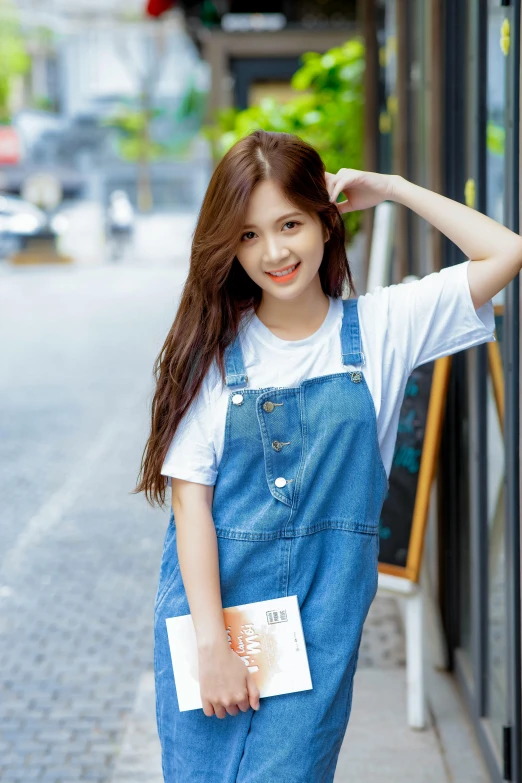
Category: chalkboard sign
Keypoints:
(405, 509)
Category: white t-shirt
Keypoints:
(402, 326)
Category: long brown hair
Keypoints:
(218, 291)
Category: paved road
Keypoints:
(78, 554)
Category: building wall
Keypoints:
(448, 116)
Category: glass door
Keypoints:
(499, 21)
(486, 571)
(502, 677)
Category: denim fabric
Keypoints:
(316, 537)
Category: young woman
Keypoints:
(274, 420)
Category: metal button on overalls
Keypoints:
(277, 445)
(314, 534)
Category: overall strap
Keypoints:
(234, 365)
(235, 374)
(350, 334)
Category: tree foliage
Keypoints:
(136, 137)
(328, 114)
(14, 60)
(134, 141)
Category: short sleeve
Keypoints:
(191, 454)
(435, 316)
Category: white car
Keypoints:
(21, 220)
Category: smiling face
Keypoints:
(279, 237)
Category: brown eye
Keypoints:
(293, 223)
(246, 232)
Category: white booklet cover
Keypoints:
(267, 635)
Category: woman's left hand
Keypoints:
(363, 189)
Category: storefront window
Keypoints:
(497, 43)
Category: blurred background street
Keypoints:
(113, 116)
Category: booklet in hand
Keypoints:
(267, 635)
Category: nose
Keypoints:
(274, 251)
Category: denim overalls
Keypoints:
(296, 509)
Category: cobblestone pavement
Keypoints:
(79, 554)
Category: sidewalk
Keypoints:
(378, 744)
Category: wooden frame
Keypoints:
(427, 469)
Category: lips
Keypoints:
(277, 272)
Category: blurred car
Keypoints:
(21, 221)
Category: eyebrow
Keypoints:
(277, 220)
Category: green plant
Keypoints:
(328, 114)
(14, 60)
(133, 139)
(42, 102)
(136, 140)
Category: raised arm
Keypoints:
(479, 237)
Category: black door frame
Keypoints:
(246, 70)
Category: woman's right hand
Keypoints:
(363, 189)
(225, 683)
